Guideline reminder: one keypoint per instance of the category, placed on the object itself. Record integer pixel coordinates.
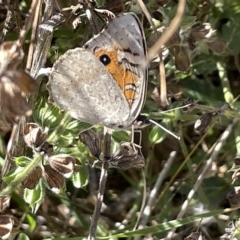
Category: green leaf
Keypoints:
(12, 175)
(157, 135)
(46, 114)
(22, 161)
(34, 197)
(120, 136)
(32, 221)
(22, 236)
(80, 179)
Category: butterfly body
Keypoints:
(104, 82)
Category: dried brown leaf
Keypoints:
(54, 179)
(63, 164)
(33, 178)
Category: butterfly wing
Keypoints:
(121, 48)
(80, 84)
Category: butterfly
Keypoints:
(104, 82)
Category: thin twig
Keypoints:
(45, 33)
(154, 192)
(102, 185)
(163, 85)
(181, 167)
(13, 19)
(28, 22)
(221, 141)
(236, 61)
(34, 35)
(147, 14)
(8, 161)
(143, 200)
(154, 50)
(8, 23)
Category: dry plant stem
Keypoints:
(154, 50)
(51, 8)
(8, 161)
(221, 141)
(45, 33)
(102, 185)
(147, 14)
(237, 139)
(8, 22)
(13, 18)
(163, 89)
(143, 199)
(34, 35)
(154, 192)
(28, 22)
(180, 168)
(96, 214)
(236, 61)
(44, 39)
(163, 84)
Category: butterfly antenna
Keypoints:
(164, 129)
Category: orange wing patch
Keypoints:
(126, 79)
